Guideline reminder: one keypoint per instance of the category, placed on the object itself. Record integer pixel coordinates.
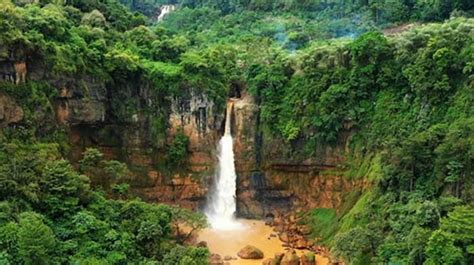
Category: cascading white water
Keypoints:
(222, 206)
(164, 10)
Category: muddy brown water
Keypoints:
(255, 233)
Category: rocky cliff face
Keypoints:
(270, 178)
(95, 113)
(272, 181)
(10, 112)
(198, 119)
(193, 114)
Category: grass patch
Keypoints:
(350, 199)
(355, 216)
(323, 223)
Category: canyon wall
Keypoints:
(192, 114)
(274, 178)
(271, 178)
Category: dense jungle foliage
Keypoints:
(316, 68)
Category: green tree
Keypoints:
(186, 256)
(91, 157)
(442, 250)
(9, 241)
(94, 19)
(185, 218)
(36, 240)
(356, 245)
(453, 242)
(62, 189)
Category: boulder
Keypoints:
(277, 221)
(284, 237)
(301, 244)
(202, 244)
(279, 228)
(228, 257)
(269, 261)
(308, 259)
(250, 252)
(290, 258)
(292, 218)
(278, 257)
(216, 259)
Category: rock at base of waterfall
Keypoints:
(201, 244)
(228, 257)
(284, 237)
(216, 259)
(278, 257)
(250, 252)
(275, 260)
(290, 258)
(270, 261)
(308, 259)
(301, 244)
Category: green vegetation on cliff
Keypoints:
(406, 98)
(409, 99)
(49, 214)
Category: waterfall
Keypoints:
(222, 206)
(164, 10)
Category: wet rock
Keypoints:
(279, 228)
(277, 221)
(292, 218)
(290, 258)
(284, 237)
(202, 244)
(308, 259)
(269, 261)
(228, 257)
(250, 252)
(216, 259)
(278, 257)
(275, 260)
(269, 219)
(301, 244)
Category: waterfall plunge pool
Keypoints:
(226, 236)
(250, 232)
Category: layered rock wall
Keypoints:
(271, 178)
(10, 111)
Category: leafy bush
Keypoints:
(178, 150)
